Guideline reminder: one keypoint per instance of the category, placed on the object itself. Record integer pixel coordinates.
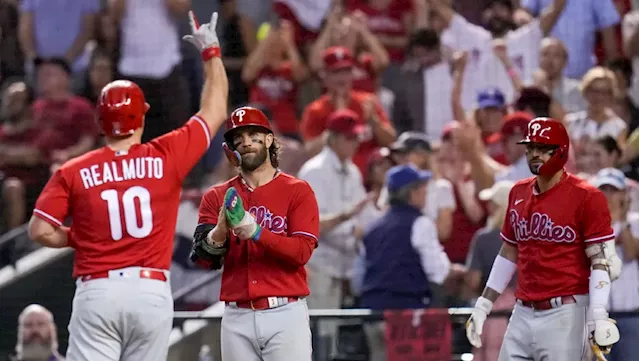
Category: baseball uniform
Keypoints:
(551, 231)
(264, 282)
(123, 207)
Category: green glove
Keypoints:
(241, 222)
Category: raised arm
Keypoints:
(550, 15)
(213, 100)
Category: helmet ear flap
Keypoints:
(232, 155)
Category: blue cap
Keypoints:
(610, 177)
(404, 175)
(490, 98)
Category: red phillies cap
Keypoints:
(336, 58)
(516, 123)
(345, 122)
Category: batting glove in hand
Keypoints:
(204, 36)
(603, 333)
(241, 222)
(476, 320)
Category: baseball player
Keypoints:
(557, 234)
(122, 200)
(262, 226)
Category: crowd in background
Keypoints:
(352, 88)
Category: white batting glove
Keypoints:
(603, 332)
(204, 36)
(481, 310)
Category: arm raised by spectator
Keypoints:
(607, 19)
(459, 65)
(116, 9)
(178, 7)
(26, 31)
(299, 70)
(501, 52)
(257, 59)
(87, 30)
(550, 15)
(483, 167)
(371, 43)
(324, 39)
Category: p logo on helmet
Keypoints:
(242, 117)
(550, 132)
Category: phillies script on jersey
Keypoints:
(123, 205)
(552, 230)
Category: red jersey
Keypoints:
(314, 122)
(386, 22)
(287, 210)
(123, 205)
(551, 231)
(72, 118)
(276, 89)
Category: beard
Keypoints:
(35, 351)
(499, 27)
(252, 161)
(534, 166)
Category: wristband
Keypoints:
(210, 53)
(512, 72)
(501, 273)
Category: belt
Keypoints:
(144, 273)
(264, 303)
(550, 303)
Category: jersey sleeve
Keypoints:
(507, 233)
(304, 217)
(186, 145)
(53, 203)
(209, 208)
(596, 219)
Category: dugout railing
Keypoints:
(458, 317)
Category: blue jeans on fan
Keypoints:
(627, 348)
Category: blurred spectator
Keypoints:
(11, 58)
(57, 109)
(521, 45)
(58, 29)
(485, 246)
(99, 73)
(402, 254)
(338, 78)
(537, 102)
(577, 27)
(107, 39)
(513, 130)
(37, 335)
(238, 39)
(423, 101)
(413, 148)
(630, 47)
(469, 213)
(273, 71)
(150, 56)
(624, 291)
(391, 21)
(25, 146)
(550, 77)
(341, 197)
(307, 16)
(379, 163)
(488, 115)
(352, 33)
(599, 87)
(625, 107)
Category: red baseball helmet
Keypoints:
(121, 108)
(242, 117)
(551, 132)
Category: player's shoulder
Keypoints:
(582, 184)
(294, 185)
(87, 159)
(523, 184)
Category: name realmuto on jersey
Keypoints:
(540, 227)
(122, 170)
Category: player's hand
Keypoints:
(603, 333)
(203, 36)
(476, 321)
(241, 222)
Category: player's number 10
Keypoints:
(129, 208)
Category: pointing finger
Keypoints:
(193, 21)
(214, 21)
